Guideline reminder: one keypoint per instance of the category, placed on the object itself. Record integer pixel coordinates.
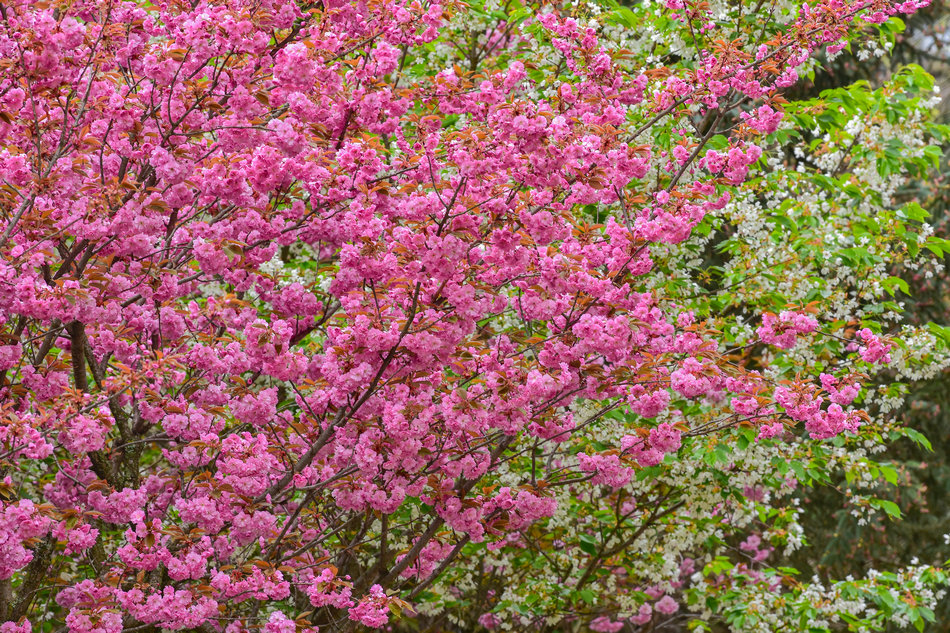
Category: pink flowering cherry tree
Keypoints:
(334, 315)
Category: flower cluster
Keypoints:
(783, 330)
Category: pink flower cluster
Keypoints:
(803, 405)
(650, 450)
(783, 330)
(19, 523)
(873, 350)
(734, 164)
(764, 120)
(839, 392)
(373, 609)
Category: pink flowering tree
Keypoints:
(351, 314)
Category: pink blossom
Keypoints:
(874, 349)
(667, 605)
(12, 627)
(604, 624)
(783, 330)
(373, 609)
(644, 615)
(489, 621)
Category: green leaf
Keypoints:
(723, 454)
(742, 442)
(800, 473)
(627, 16)
(895, 282)
(890, 474)
(588, 544)
(886, 598)
(938, 245)
(940, 331)
(892, 509)
(919, 438)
